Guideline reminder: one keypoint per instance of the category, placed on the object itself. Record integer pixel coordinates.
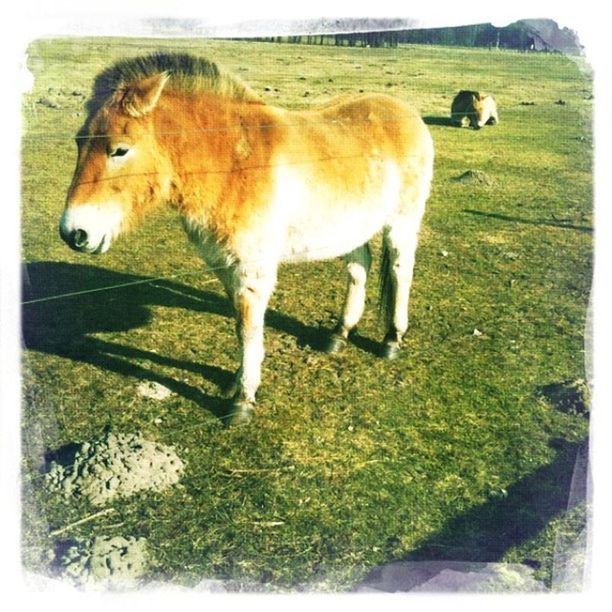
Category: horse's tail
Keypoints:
(386, 297)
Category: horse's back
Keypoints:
(392, 133)
(345, 170)
(353, 133)
(388, 123)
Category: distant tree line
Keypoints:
(514, 36)
(519, 35)
(350, 39)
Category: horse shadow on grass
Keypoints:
(67, 326)
(438, 120)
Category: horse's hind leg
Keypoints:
(358, 264)
(399, 247)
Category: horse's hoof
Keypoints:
(241, 413)
(391, 350)
(229, 391)
(335, 344)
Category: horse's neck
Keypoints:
(221, 153)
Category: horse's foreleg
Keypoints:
(250, 298)
(358, 265)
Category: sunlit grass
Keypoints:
(351, 461)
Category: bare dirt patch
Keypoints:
(570, 396)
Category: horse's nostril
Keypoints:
(79, 238)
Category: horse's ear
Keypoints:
(139, 98)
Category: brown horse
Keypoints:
(255, 185)
(474, 109)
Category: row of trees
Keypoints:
(351, 39)
(520, 35)
(515, 36)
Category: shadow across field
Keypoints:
(540, 222)
(484, 533)
(66, 326)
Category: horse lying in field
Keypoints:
(254, 185)
(473, 108)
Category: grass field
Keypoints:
(454, 451)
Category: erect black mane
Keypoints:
(188, 73)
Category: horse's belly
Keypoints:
(310, 242)
(323, 222)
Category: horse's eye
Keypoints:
(118, 152)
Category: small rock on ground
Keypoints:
(153, 390)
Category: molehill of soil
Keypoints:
(105, 562)
(474, 177)
(115, 465)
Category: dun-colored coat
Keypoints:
(254, 185)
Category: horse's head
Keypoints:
(483, 107)
(121, 171)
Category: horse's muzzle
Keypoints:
(75, 239)
(78, 240)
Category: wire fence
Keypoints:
(532, 278)
(539, 130)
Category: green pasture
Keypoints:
(456, 451)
